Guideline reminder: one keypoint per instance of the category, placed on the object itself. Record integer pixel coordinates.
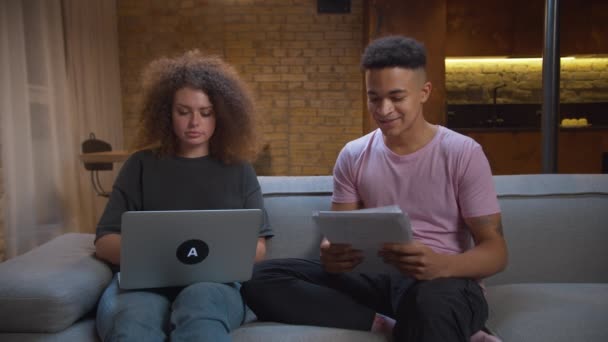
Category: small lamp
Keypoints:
(93, 145)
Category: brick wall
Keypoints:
(582, 80)
(302, 67)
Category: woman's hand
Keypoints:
(260, 251)
(107, 248)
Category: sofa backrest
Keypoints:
(556, 226)
(290, 201)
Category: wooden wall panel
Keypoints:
(516, 28)
(584, 27)
(479, 28)
(580, 151)
(511, 152)
(425, 22)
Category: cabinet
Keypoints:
(584, 27)
(516, 28)
(519, 152)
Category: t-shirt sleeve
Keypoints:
(345, 190)
(126, 196)
(477, 193)
(254, 199)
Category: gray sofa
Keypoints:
(554, 289)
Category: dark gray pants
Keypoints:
(298, 291)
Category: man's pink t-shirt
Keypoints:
(445, 181)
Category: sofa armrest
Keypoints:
(52, 286)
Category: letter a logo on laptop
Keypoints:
(179, 248)
(192, 252)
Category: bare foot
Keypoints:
(482, 336)
(383, 325)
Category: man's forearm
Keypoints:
(485, 259)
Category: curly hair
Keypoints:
(394, 51)
(235, 136)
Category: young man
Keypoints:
(441, 179)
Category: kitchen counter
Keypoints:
(494, 129)
(520, 117)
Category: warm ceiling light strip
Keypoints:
(499, 60)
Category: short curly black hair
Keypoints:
(394, 51)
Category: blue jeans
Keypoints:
(199, 312)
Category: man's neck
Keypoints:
(413, 139)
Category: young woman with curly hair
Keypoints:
(197, 137)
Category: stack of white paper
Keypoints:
(366, 230)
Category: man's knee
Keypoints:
(269, 275)
(266, 269)
(266, 275)
(433, 300)
(284, 268)
(448, 306)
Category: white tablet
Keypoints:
(366, 230)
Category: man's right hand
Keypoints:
(338, 258)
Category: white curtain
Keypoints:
(49, 102)
(91, 33)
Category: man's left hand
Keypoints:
(415, 259)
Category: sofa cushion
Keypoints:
(52, 286)
(549, 312)
(81, 331)
(276, 332)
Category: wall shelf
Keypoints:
(105, 157)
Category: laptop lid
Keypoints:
(179, 248)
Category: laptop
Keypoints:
(179, 248)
